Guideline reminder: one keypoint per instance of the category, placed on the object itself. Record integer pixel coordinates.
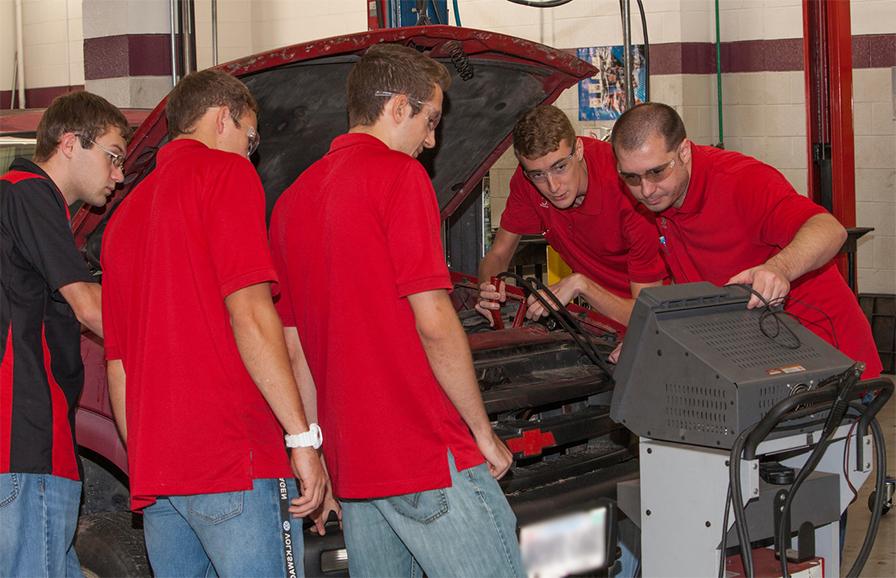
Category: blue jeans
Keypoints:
(467, 529)
(629, 541)
(226, 534)
(38, 518)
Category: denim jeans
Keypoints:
(38, 519)
(225, 534)
(629, 541)
(467, 529)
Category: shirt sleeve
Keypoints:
(645, 265)
(413, 234)
(521, 213)
(43, 235)
(234, 221)
(776, 208)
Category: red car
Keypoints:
(546, 398)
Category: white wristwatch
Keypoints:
(312, 438)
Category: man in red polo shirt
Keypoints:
(727, 218)
(567, 189)
(199, 375)
(46, 293)
(397, 394)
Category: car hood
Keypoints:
(300, 91)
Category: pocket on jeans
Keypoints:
(9, 489)
(423, 507)
(215, 508)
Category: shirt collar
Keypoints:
(355, 138)
(177, 147)
(25, 165)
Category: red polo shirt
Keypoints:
(352, 238)
(605, 238)
(737, 214)
(190, 234)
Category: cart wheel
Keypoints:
(883, 509)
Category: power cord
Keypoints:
(772, 310)
(838, 411)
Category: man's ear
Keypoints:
(67, 143)
(684, 151)
(397, 107)
(221, 117)
(580, 149)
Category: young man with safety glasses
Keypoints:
(199, 375)
(727, 218)
(46, 294)
(413, 455)
(566, 189)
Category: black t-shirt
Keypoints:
(41, 374)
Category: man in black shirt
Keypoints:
(46, 293)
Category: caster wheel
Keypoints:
(888, 501)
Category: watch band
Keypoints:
(312, 438)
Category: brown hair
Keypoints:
(540, 131)
(641, 122)
(88, 115)
(392, 68)
(199, 91)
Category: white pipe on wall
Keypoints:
(20, 55)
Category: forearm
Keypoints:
(449, 357)
(301, 372)
(116, 379)
(492, 264)
(606, 303)
(259, 338)
(815, 243)
(86, 300)
(452, 365)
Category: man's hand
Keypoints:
(614, 355)
(566, 290)
(312, 481)
(768, 280)
(490, 299)
(322, 513)
(496, 454)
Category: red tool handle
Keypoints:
(496, 313)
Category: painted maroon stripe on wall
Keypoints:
(127, 55)
(38, 97)
(785, 54)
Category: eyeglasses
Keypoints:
(116, 158)
(654, 175)
(556, 169)
(431, 120)
(254, 140)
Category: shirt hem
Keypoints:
(424, 284)
(246, 279)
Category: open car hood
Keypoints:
(301, 95)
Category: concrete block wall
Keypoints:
(52, 41)
(235, 31)
(874, 118)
